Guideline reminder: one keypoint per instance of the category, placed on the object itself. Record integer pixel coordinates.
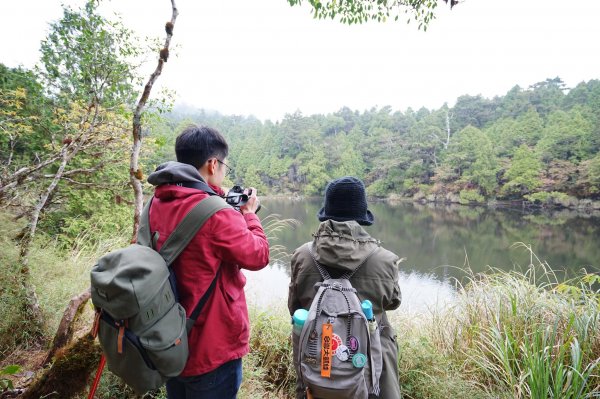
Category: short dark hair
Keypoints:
(196, 144)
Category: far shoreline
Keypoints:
(580, 206)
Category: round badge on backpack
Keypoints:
(353, 344)
(336, 341)
(359, 360)
(342, 353)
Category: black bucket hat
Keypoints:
(345, 200)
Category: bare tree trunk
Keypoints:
(32, 300)
(68, 151)
(437, 137)
(26, 243)
(447, 131)
(135, 174)
(12, 149)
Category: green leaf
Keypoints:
(591, 279)
(10, 370)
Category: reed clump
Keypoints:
(524, 333)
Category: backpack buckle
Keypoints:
(337, 286)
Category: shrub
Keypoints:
(468, 196)
(552, 198)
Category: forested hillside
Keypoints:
(541, 143)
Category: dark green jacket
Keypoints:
(343, 246)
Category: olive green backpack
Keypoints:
(142, 328)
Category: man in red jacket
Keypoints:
(230, 239)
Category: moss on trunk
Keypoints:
(70, 372)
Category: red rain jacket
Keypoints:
(229, 239)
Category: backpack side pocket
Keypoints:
(166, 343)
(133, 364)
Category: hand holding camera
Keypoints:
(243, 200)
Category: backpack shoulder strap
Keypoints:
(348, 275)
(190, 321)
(189, 226)
(322, 270)
(144, 237)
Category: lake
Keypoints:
(438, 241)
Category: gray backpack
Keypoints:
(142, 328)
(339, 354)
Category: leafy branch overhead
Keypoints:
(360, 11)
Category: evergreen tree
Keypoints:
(523, 175)
(471, 155)
(568, 135)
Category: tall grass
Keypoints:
(526, 333)
(17, 328)
(56, 274)
(268, 369)
(273, 225)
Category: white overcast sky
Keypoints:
(266, 58)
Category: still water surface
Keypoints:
(436, 241)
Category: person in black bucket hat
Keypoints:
(345, 200)
(341, 245)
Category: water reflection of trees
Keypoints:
(438, 239)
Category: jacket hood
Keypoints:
(174, 172)
(169, 174)
(342, 245)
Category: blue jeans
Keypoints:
(221, 383)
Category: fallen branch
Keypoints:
(64, 333)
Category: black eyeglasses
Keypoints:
(229, 169)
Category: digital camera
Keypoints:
(236, 197)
